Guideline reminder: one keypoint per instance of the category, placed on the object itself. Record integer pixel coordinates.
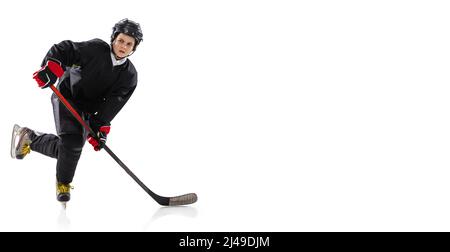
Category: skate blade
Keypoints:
(64, 205)
(15, 133)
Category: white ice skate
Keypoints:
(20, 142)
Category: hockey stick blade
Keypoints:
(164, 201)
(183, 199)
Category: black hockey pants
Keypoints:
(66, 148)
(67, 145)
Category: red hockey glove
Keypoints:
(102, 134)
(49, 73)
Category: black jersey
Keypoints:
(91, 81)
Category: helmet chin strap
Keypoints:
(120, 58)
(131, 53)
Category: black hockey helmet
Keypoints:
(129, 28)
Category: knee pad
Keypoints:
(72, 142)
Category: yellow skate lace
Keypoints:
(64, 188)
(26, 149)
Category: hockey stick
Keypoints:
(165, 201)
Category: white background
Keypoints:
(280, 115)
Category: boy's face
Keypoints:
(123, 45)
